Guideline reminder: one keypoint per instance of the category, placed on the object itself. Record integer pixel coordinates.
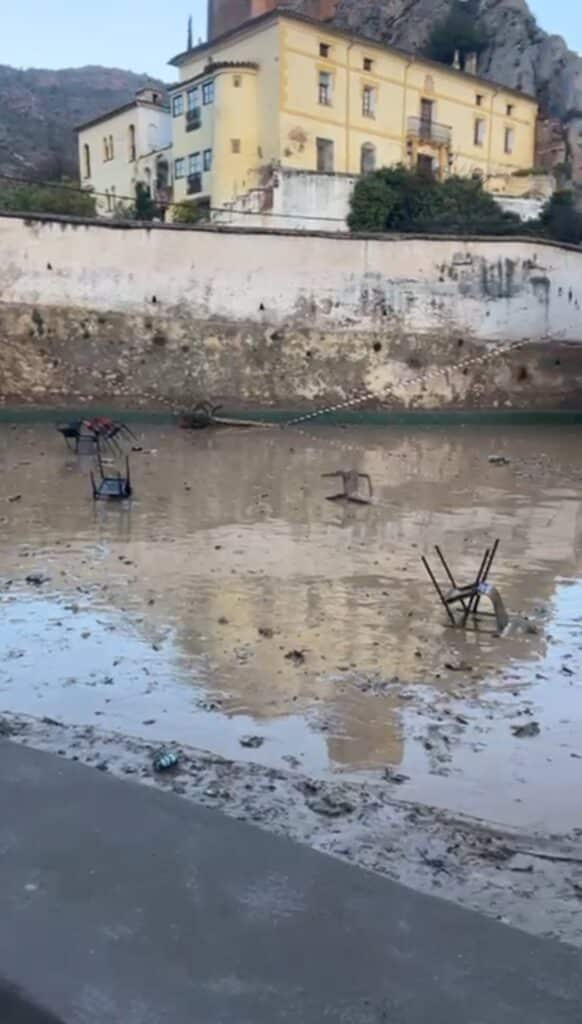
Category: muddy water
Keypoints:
(172, 618)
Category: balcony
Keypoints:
(429, 131)
(193, 119)
(194, 184)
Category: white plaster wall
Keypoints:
(487, 290)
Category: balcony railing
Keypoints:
(193, 119)
(429, 131)
(194, 184)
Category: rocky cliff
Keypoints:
(518, 52)
(39, 110)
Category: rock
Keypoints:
(108, 681)
(526, 731)
(297, 657)
(458, 666)
(253, 742)
(102, 766)
(36, 579)
(499, 460)
(266, 632)
(223, 621)
(51, 721)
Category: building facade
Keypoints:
(288, 92)
(126, 147)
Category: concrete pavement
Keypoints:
(123, 905)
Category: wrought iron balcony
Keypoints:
(194, 184)
(193, 119)
(429, 131)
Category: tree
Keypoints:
(561, 219)
(458, 32)
(61, 197)
(145, 208)
(397, 199)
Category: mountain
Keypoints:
(517, 52)
(40, 109)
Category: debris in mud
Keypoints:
(458, 666)
(330, 805)
(15, 497)
(37, 579)
(398, 778)
(297, 657)
(526, 731)
(499, 460)
(266, 632)
(252, 742)
(165, 760)
(223, 621)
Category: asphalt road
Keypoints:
(124, 905)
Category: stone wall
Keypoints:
(136, 316)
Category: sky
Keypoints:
(142, 35)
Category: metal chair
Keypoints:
(469, 597)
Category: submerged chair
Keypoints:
(351, 483)
(111, 488)
(468, 598)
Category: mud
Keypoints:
(292, 651)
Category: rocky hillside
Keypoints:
(39, 110)
(518, 52)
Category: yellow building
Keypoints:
(124, 147)
(288, 92)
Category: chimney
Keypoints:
(471, 63)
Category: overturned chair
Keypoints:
(466, 599)
(111, 488)
(351, 486)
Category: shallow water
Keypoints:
(150, 622)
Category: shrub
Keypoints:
(61, 197)
(397, 199)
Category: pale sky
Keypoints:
(143, 34)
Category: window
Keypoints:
(108, 198)
(368, 158)
(131, 140)
(87, 160)
(208, 93)
(479, 130)
(193, 98)
(178, 105)
(237, 81)
(207, 160)
(179, 168)
(426, 119)
(325, 155)
(479, 99)
(369, 101)
(194, 163)
(111, 150)
(368, 64)
(325, 83)
(324, 49)
(105, 149)
(510, 109)
(235, 145)
(509, 141)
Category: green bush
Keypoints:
(396, 199)
(62, 197)
(189, 212)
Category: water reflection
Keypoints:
(230, 537)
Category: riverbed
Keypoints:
(230, 609)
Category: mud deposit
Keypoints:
(293, 652)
